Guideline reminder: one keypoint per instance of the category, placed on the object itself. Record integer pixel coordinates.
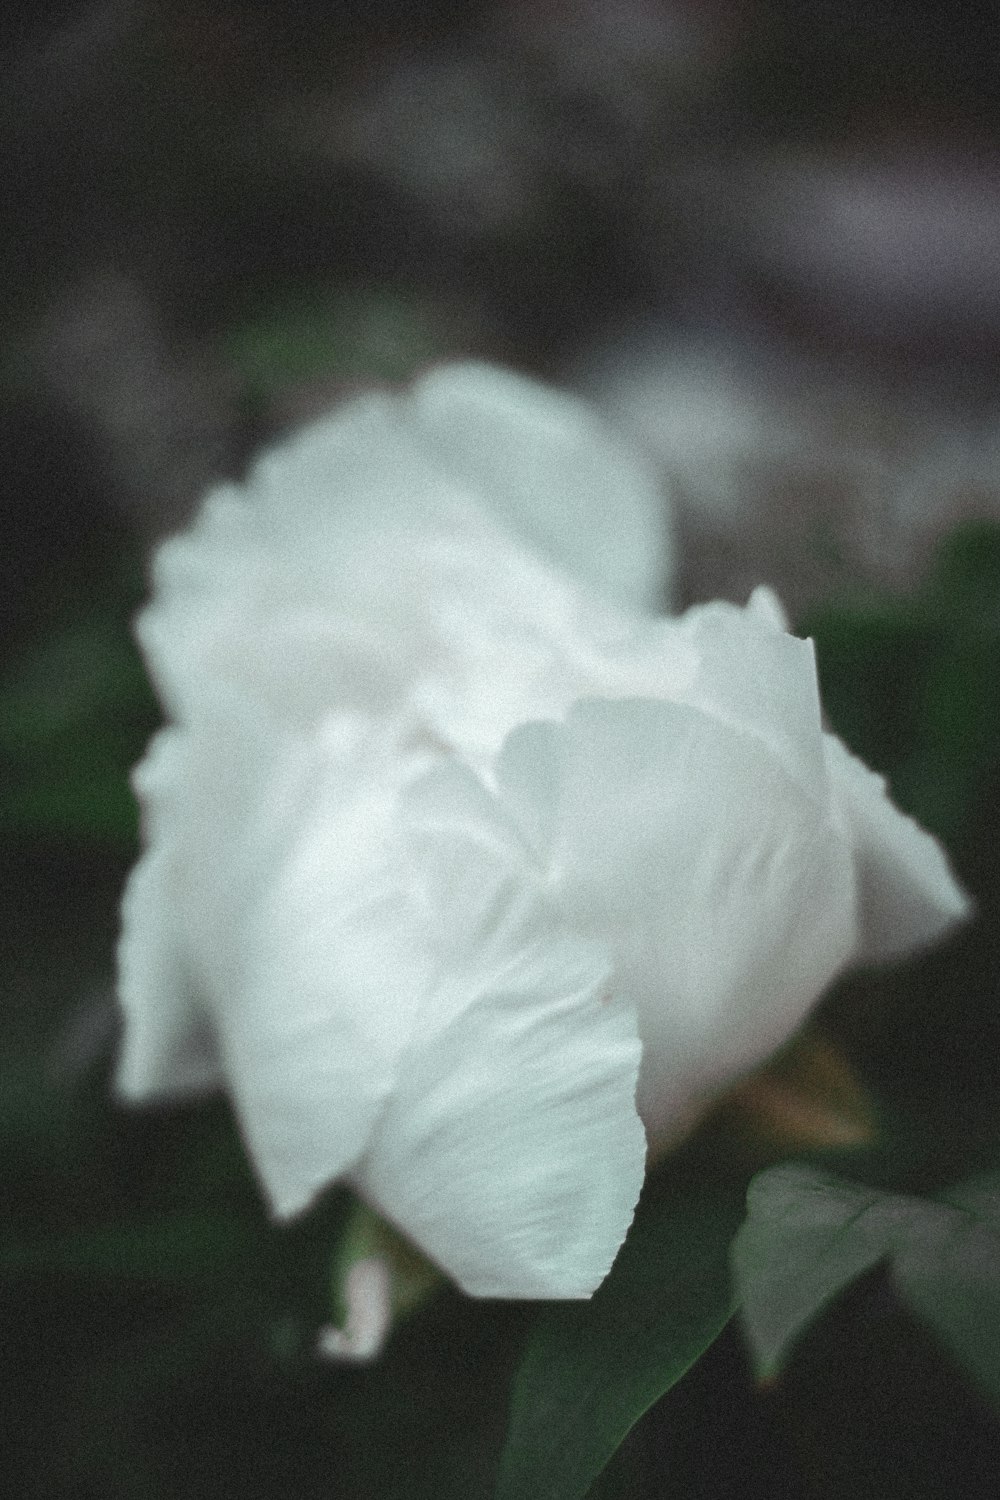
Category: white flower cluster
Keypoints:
(462, 867)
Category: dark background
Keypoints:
(764, 237)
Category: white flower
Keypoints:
(439, 831)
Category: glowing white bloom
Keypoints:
(448, 847)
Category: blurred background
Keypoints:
(762, 236)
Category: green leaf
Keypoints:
(366, 1234)
(333, 334)
(69, 802)
(911, 683)
(964, 583)
(804, 1240)
(593, 1368)
(949, 1273)
(75, 713)
(872, 656)
(809, 1234)
(182, 1248)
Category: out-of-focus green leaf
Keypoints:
(366, 1234)
(67, 681)
(74, 804)
(949, 1273)
(75, 713)
(593, 1368)
(188, 1248)
(871, 656)
(40, 1125)
(333, 334)
(964, 583)
(912, 684)
(809, 1234)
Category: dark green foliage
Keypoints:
(809, 1234)
(593, 1368)
(158, 1330)
(913, 685)
(75, 714)
(330, 335)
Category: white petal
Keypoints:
(364, 464)
(368, 1322)
(734, 664)
(167, 1048)
(314, 1018)
(529, 777)
(511, 1152)
(545, 461)
(759, 680)
(302, 560)
(765, 606)
(723, 889)
(907, 893)
(288, 604)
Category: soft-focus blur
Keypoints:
(765, 239)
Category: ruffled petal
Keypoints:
(544, 461)
(511, 1152)
(328, 966)
(358, 599)
(908, 896)
(738, 665)
(723, 890)
(759, 679)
